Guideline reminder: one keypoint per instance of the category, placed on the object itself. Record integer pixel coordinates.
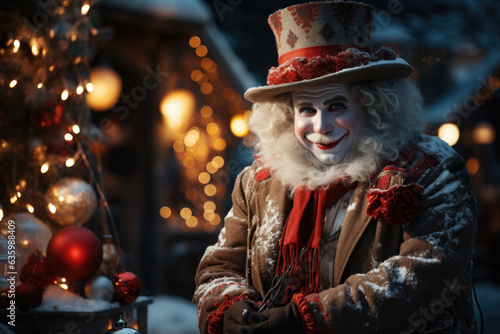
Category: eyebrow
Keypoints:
(337, 98)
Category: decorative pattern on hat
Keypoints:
(304, 15)
(327, 32)
(345, 14)
(292, 39)
(276, 26)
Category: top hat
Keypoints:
(322, 43)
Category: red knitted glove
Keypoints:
(243, 317)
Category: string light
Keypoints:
(17, 44)
(79, 90)
(30, 208)
(90, 87)
(44, 168)
(13, 83)
(76, 129)
(34, 50)
(165, 212)
(186, 213)
(192, 221)
(52, 208)
(68, 137)
(194, 42)
(40, 85)
(64, 95)
(13, 199)
(1, 214)
(70, 162)
(450, 133)
(85, 9)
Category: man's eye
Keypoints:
(337, 106)
(307, 110)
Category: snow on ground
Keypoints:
(172, 315)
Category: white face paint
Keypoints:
(328, 121)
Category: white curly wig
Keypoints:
(393, 108)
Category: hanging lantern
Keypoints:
(107, 87)
(111, 256)
(121, 328)
(177, 107)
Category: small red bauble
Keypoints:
(74, 253)
(126, 287)
(37, 271)
(50, 115)
(28, 295)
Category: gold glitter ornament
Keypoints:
(71, 201)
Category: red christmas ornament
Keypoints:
(126, 286)
(37, 271)
(28, 295)
(50, 115)
(74, 253)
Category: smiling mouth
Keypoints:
(331, 145)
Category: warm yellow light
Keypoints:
(494, 83)
(34, 50)
(85, 9)
(206, 111)
(76, 129)
(194, 42)
(1, 213)
(13, 199)
(209, 206)
(13, 83)
(90, 87)
(25, 242)
(52, 208)
(201, 51)
(63, 279)
(215, 219)
(210, 190)
(206, 88)
(209, 215)
(218, 161)
(450, 133)
(204, 178)
(165, 212)
(188, 162)
(212, 129)
(64, 95)
(192, 221)
(18, 194)
(44, 168)
(473, 165)
(30, 208)
(186, 213)
(239, 126)
(190, 140)
(177, 107)
(68, 137)
(178, 147)
(196, 75)
(219, 144)
(79, 90)
(64, 286)
(70, 162)
(211, 167)
(107, 87)
(40, 85)
(483, 133)
(17, 44)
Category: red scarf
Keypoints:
(304, 229)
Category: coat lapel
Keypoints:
(355, 223)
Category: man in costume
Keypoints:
(350, 220)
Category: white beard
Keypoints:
(296, 166)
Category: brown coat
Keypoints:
(387, 278)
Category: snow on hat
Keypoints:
(323, 43)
